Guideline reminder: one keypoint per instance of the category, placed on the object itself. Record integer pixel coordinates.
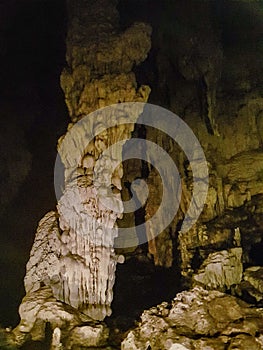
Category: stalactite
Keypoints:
(211, 87)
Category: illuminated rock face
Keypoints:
(87, 214)
(73, 250)
(221, 270)
(99, 74)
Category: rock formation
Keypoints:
(99, 73)
(195, 320)
(71, 270)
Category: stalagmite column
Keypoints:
(73, 250)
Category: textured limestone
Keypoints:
(241, 137)
(56, 337)
(254, 275)
(251, 286)
(71, 329)
(65, 261)
(40, 307)
(197, 319)
(221, 270)
(197, 240)
(235, 183)
(239, 227)
(71, 270)
(100, 61)
(177, 346)
(43, 262)
(87, 336)
(161, 246)
(246, 166)
(238, 195)
(198, 59)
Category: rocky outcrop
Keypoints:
(198, 319)
(88, 336)
(39, 308)
(221, 270)
(228, 240)
(254, 275)
(70, 329)
(251, 286)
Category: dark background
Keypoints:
(33, 116)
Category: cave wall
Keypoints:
(204, 66)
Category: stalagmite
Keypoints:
(56, 344)
(73, 254)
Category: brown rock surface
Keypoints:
(197, 319)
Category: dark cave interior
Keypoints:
(34, 116)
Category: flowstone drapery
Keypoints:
(73, 252)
